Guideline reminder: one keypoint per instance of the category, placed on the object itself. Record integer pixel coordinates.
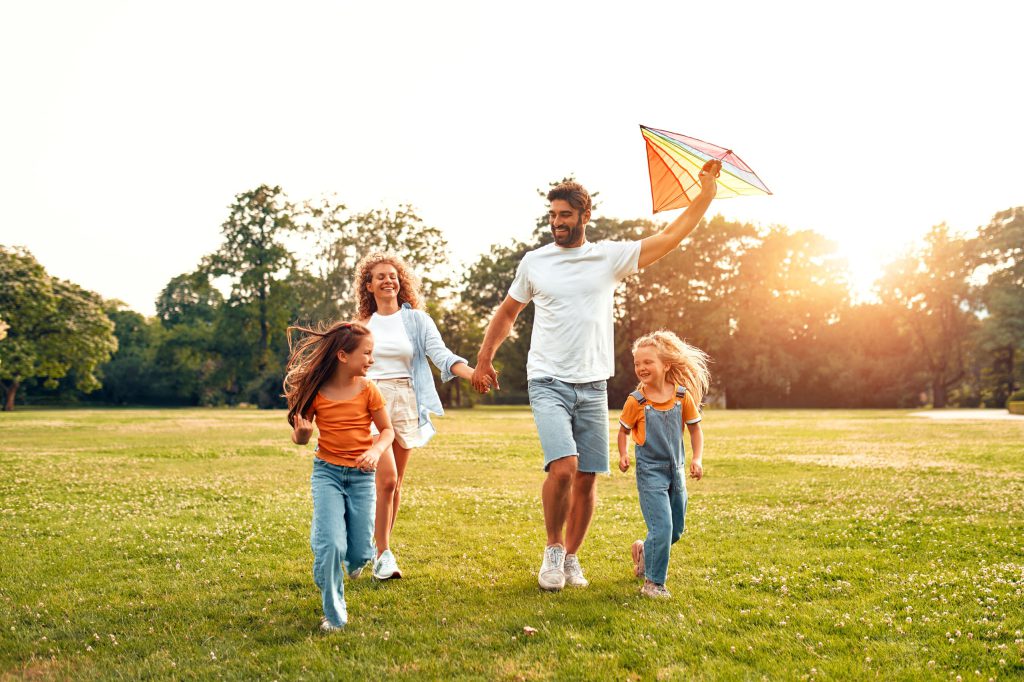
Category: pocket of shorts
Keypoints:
(541, 381)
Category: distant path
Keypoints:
(975, 414)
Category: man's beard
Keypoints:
(572, 236)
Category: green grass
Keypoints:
(820, 545)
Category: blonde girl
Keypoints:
(674, 379)
(326, 383)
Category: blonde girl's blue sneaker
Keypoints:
(655, 591)
(386, 566)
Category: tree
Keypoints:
(189, 298)
(691, 291)
(1000, 251)
(56, 327)
(930, 288)
(130, 377)
(253, 254)
(339, 240)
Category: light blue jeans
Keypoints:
(662, 490)
(341, 535)
(572, 420)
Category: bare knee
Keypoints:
(387, 483)
(562, 472)
(584, 483)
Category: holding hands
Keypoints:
(484, 377)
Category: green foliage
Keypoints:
(1000, 254)
(771, 307)
(56, 328)
(930, 287)
(189, 298)
(254, 256)
(339, 240)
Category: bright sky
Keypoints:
(128, 127)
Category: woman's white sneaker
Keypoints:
(386, 567)
(552, 575)
(573, 572)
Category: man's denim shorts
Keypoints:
(572, 421)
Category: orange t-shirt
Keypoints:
(632, 417)
(344, 425)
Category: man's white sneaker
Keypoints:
(386, 567)
(551, 576)
(573, 572)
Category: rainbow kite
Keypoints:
(675, 161)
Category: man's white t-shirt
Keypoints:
(573, 294)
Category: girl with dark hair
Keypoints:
(326, 383)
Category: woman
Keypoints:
(390, 305)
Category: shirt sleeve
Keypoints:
(624, 258)
(433, 346)
(630, 414)
(691, 415)
(374, 399)
(520, 289)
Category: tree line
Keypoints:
(771, 306)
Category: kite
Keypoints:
(675, 162)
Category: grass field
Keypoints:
(820, 545)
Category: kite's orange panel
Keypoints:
(675, 160)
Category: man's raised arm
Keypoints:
(497, 331)
(657, 246)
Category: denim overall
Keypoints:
(659, 480)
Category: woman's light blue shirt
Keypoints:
(427, 343)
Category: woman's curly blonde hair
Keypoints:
(408, 283)
(687, 365)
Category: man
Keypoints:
(572, 283)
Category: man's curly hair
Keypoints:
(574, 193)
(408, 283)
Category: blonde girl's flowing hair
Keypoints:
(313, 360)
(687, 365)
(408, 283)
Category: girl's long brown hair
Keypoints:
(687, 365)
(314, 359)
(408, 283)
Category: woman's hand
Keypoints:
(696, 469)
